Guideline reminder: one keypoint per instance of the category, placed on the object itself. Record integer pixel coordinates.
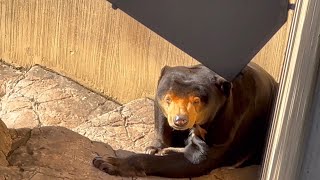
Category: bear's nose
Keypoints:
(180, 120)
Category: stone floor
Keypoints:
(57, 126)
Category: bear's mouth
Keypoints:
(179, 128)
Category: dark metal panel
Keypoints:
(224, 35)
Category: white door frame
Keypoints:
(290, 126)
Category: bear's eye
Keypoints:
(168, 100)
(196, 100)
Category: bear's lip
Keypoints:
(179, 128)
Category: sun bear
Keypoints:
(203, 122)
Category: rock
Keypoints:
(58, 153)
(129, 127)
(48, 99)
(7, 76)
(24, 118)
(54, 153)
(246, 173)
(5, 143)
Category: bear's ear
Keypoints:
(223, 85)
(163, 71)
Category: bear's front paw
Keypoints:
(117, 166)
(170, 150)
(152, 150)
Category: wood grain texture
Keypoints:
(271, 57)
(99, 47)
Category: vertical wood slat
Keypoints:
(102, 48)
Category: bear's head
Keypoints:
(190, 96)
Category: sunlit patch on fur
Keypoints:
(189, 106)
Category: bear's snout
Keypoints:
(181, 120)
